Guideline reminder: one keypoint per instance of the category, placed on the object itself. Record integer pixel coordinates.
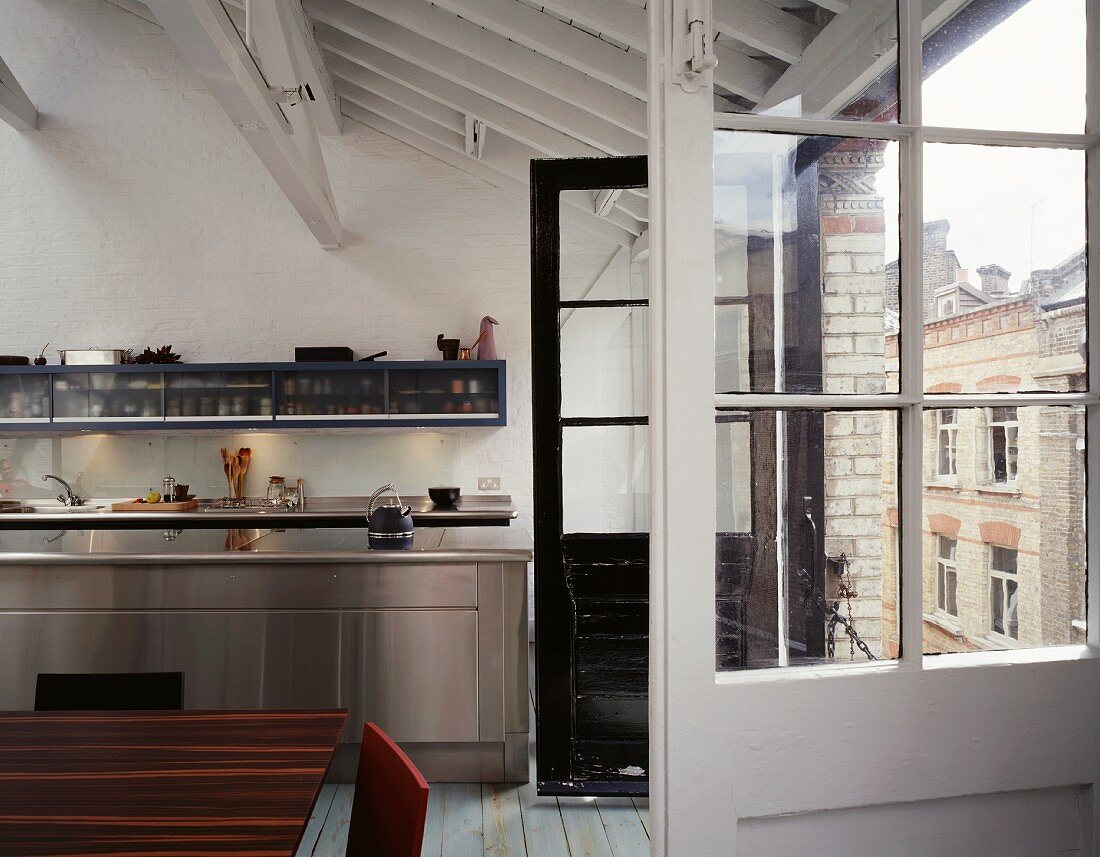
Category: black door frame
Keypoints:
(554, 639)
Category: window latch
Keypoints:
(692, 35)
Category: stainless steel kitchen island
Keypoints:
(429, 642)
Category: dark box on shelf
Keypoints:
(318, 354)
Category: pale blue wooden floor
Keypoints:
(472, 820)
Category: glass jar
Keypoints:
(276, 488)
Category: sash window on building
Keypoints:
(947, 429)
(947, 576)
(1003, 444)
(1003, 592)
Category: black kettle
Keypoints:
(389, 526)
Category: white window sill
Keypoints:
(1080, 625)
(944, 483)
(953, 660)
(999, 488)
(945, 621)
(994, 642)
(1046, 654)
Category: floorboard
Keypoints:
(463, 834)
(503, 821)
(623, 827)
(433, 827)
(316, 820)
(333, 841)
(642, 806)
(583, 828)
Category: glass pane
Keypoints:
(24, 397)
(334, 395)
(598, 260)
(603, 361)
(774, 63)
(456, 393)
(734, 448)
(800, 282)
(1019, 547)
(107, 396)
(1005, 243)
(1018, 65)
(217, 395)
(605, 479)
(833, 478)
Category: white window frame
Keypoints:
(1012, 471)
(947, 437)
(944, 566)
(1003, 577)
(912, 401)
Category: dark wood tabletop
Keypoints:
(150, 783)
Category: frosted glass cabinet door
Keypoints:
(442, 392)
(318, 393)
(217, 395)
(24, 398)
(108, 396)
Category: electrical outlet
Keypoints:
(488, 483)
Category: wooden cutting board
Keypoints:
(182, 506)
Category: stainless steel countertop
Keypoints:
(97, 512)
(232, 546)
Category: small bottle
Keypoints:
(168, 495)
(300, 495)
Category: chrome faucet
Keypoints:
(70, 497)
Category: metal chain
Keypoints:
(832, 614)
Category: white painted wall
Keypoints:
(138, 216)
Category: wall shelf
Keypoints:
(253, 396)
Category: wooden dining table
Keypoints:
(152, 783)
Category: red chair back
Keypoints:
(391, 801)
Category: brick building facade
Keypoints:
(1003, 542)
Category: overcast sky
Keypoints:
(1019, 208)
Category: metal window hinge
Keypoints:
(693, 40)
(293, 96)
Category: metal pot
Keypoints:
(389, 526)
(93, 356)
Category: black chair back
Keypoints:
(109, 692)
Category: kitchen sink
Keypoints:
(49, 510)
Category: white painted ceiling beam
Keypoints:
(842, 60)
(765, 27)
(618, 19)
(371, 88)
(741, 74)
(486, 79)
(16, 108)
(510, 158)
(837, 6)
(285, 37)
(379, 72)
(484, 171)
(203, 33)
(552, 38)
(348, 57)
(401, 115)
(474, 42)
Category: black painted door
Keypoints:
(591, 547)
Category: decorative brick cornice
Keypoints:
(944, 525)
(846, 179)
(1000, 533)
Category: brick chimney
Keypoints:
(994, 280)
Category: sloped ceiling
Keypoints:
(567, 78)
